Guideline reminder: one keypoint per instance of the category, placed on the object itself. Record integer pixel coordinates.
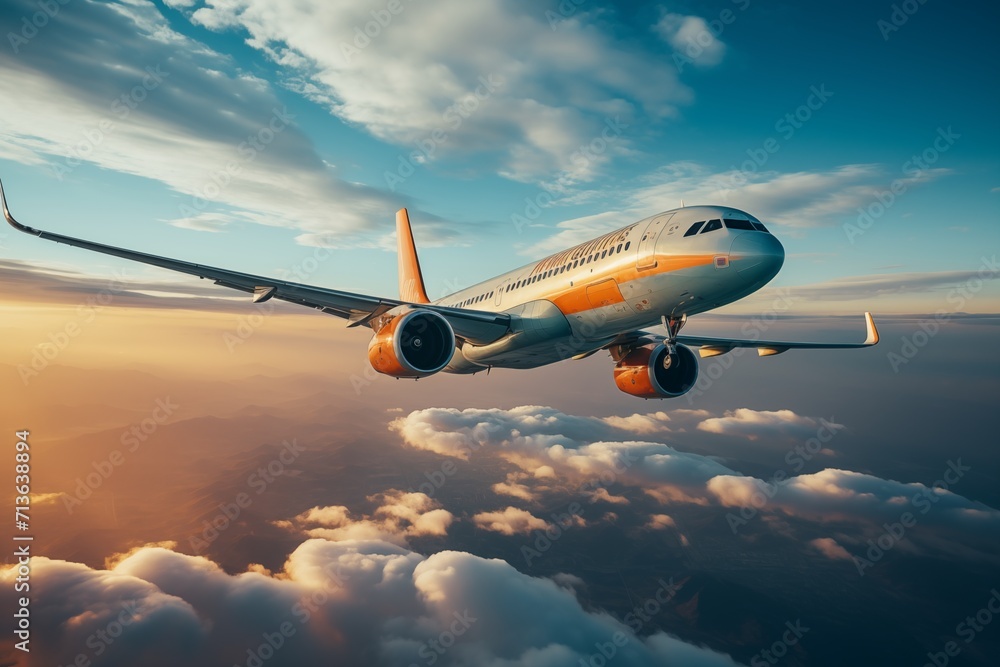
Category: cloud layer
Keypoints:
(113, 85)
(585, 456)
(346, 602)
(525, 85)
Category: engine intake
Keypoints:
(414, 344)
(641, 372)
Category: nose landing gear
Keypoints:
(672, 325)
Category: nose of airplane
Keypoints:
(757, 256)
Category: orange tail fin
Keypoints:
(411, 282)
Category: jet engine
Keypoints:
(651, 372)
(413, 344)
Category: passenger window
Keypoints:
(604, 254)
(711, 226)
(619, 248)
(627, 244)
(693, 229)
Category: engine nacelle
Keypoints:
(641, 372)
(414, 344)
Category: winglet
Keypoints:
(14, 223)
(872, 338)
(411, 282)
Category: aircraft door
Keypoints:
(646, 257)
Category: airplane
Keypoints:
(598, 295)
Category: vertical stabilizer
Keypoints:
(411, 282)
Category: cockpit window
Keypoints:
(760, 228)
(711, 226)
(693, 229)
(739, 224)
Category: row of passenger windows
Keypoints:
(712, 225)
(569, 266)
(548, 274)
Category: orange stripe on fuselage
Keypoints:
(575, 300)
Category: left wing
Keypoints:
(476, 326)
(710, 347)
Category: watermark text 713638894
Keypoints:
(22, 541)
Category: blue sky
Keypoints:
(602, 114)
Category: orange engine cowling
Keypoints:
(415, 344)
(641, 372)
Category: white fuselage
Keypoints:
(579, 300)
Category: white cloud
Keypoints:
(549, 91)
(830, 548)
(509, 521)
(691, 39)
(113, 85)
(754, 424)
(654, 422)
(796, 200)
(399, 516)
(600, 494)
(585, 453)
(660, 521)
(585, 461)
(349, 603)
(513, 487)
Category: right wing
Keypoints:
(710, 347)
(478, 327)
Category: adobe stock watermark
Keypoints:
(368, 375)
(754, 330)
(302, 610)
(786, 126)
(967, 630)
(584, 155)
(258, 481)
(913, 170)
(779, 648)
(131, 439)
(57, 341)
(573, 516)
(796, 458)
(247, 151)
(432, 650)
(247, 325)
(893, 532)
(544, 539)
(911, 345)
(32, 24)
(100, 641)
(564, 10)
(898, 17)
(451, 120)
(641, 614)
(581, 339)
(365, 34)
(121, 108)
